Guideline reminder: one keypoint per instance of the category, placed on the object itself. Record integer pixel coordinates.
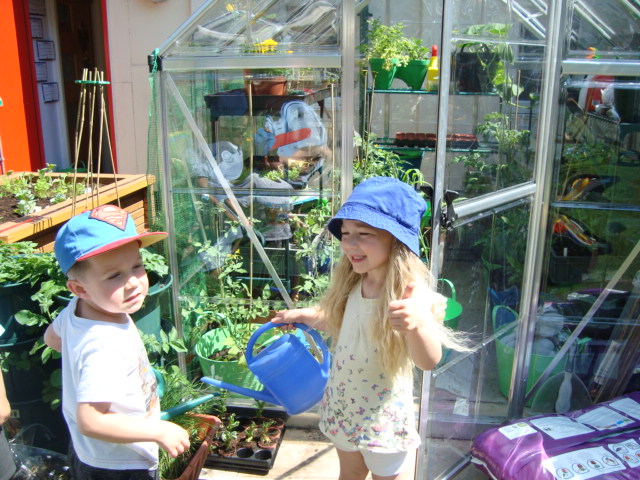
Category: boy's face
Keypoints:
(114, 282)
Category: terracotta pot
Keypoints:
(268, 442)
(192, 472)
(207, 422)
(276, 85)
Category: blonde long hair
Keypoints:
(404, 267)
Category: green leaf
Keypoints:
(30, 319)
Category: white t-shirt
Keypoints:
(106, 362)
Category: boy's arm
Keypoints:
(96, 421)
(5, 407)
(52, 339)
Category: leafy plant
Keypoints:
(500, 54)
(313, 248)
(415, 49)
(178, 389)
(228, 436)
(373, 161)
(484, 175)
(386, 42)
(29, 188)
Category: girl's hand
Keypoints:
(308, 316)
(408, 313)
(412, 315)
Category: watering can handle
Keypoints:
(314, 334)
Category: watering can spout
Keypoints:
(257, 394)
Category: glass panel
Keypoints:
(483, 262)
(493, 104)
(605, 29)
(591, 276)
(251, 181)
(246, 27)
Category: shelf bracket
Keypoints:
(448, 216)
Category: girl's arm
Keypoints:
(312, 317)
(96, 421)
(415, 314)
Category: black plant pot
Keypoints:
(627, 99)
(254, 459)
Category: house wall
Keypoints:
(19, 112)
(136, 28)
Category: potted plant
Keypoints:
(415, 70)
(198, 422)
(484, 175)
(384, 50)
(221, 353)
(481, 66)
(237, 445)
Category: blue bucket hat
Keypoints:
(97, 231)
(385, 203)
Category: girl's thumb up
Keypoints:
(408, 290)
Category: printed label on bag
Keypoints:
(628, 406)
(629, 451)
(517, 430)
(604, 418)
(560, 427)
(583, 464)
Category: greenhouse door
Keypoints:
(487, 224)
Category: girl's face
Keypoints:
(114, 282)
(366, 247)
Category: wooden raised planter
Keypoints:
(41, 227)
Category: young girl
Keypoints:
(384, 318)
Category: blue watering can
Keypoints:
(291, 375)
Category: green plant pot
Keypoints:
(413, 74)
(382, 79)
(227, 371)
(537, 365)
(13, 298)
(149, 318)
(26, 375)
(627, 100)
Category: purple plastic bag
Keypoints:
(602, 441)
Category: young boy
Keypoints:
(109, 393)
